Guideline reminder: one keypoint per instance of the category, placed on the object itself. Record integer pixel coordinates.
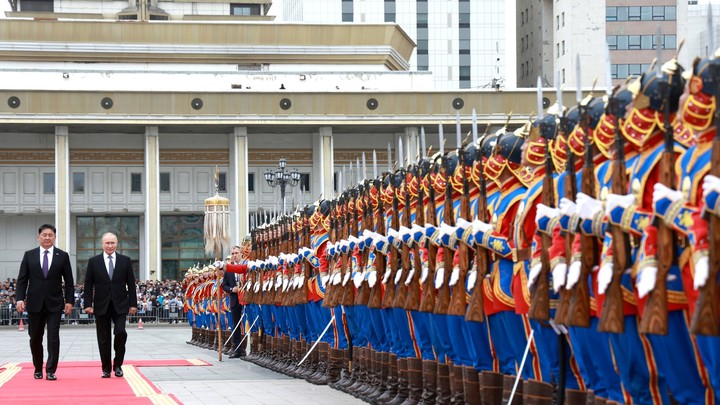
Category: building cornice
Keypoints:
(204, 42)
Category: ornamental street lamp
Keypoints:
(282, 178)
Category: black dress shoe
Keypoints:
(235, 355)
(106, 374)
(51, 376)
(118, 372)
(38, 375)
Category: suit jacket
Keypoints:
(36, 290)
(100, 290)
(227, 284)
(229, 281)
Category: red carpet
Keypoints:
(80, 382)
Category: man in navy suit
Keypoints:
(231, 284)
(42, 273)
(110, 294)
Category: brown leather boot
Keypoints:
(391, 385)
(347, 378)
(457, 392)
(415, 381)
(576, 397)
(541, 393)
(402, 385)
(382, 364)
(429, 394)
(317, 378)
(508, 383)
(600, 401)
(492, 388)
(471, 379)
(443, 384)
(362, 372)
(373, 376)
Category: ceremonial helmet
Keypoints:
(649, 100)
(606, 130)
(700, 105)
(508, 154)
(543, 130)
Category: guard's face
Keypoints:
(46, 238)
(109, 244)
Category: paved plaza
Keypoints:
(232, 381)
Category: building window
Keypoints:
(37, 5)
(182, 244)
(251, 183)
(639, 42)
(522, 18)
(136, 182)
(563, 47)
(347, 10)
(91, 229)
(305, 182)
(222, 182)
(557, 22)
(48, 183)
(645, 13)
(563, 76)
(78, 179)
(244, 9)
(563, 19)
(164, 182)
(557, 50)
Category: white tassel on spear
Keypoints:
(217, 222)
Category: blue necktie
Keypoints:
(110, 267)
(45, 263)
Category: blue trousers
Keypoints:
(479, 339)
(592, 353)
(421, 321)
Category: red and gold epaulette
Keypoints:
(413, 185)
(698, 111)
(639, 125)
(494, 167)
(439, 182)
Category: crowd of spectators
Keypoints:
(157, 301)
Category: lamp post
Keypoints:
(282, 178)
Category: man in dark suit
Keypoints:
(42, 272)
(231, 284)
(110, 294)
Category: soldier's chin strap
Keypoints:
(318, 340)
(522, 366)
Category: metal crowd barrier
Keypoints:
(9, 316)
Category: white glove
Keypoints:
(480, 226)
(285, 284)
(278, 281)
(257, 287)
(586, 206)
(567, 207)
(219, 264)
(296, 282)
(573, 275)
(424, 274)
(386, 276)
(324, 279)
(711, 183)
(661, 191)
(346, 278)
(372, 278)
(559, 273)
(439, 278)
(616, 200)
(471, 279)
(398, 275)
(337, 277)
(302, 280)
(605, 275)
(534, 273)
(454, 276)
(543, 211)
(646, 281)
(357, 279)
(702, 268)
(411, 273)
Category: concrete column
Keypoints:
(62, 187)
(153, 268)
(324, 159)
(238, 184)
